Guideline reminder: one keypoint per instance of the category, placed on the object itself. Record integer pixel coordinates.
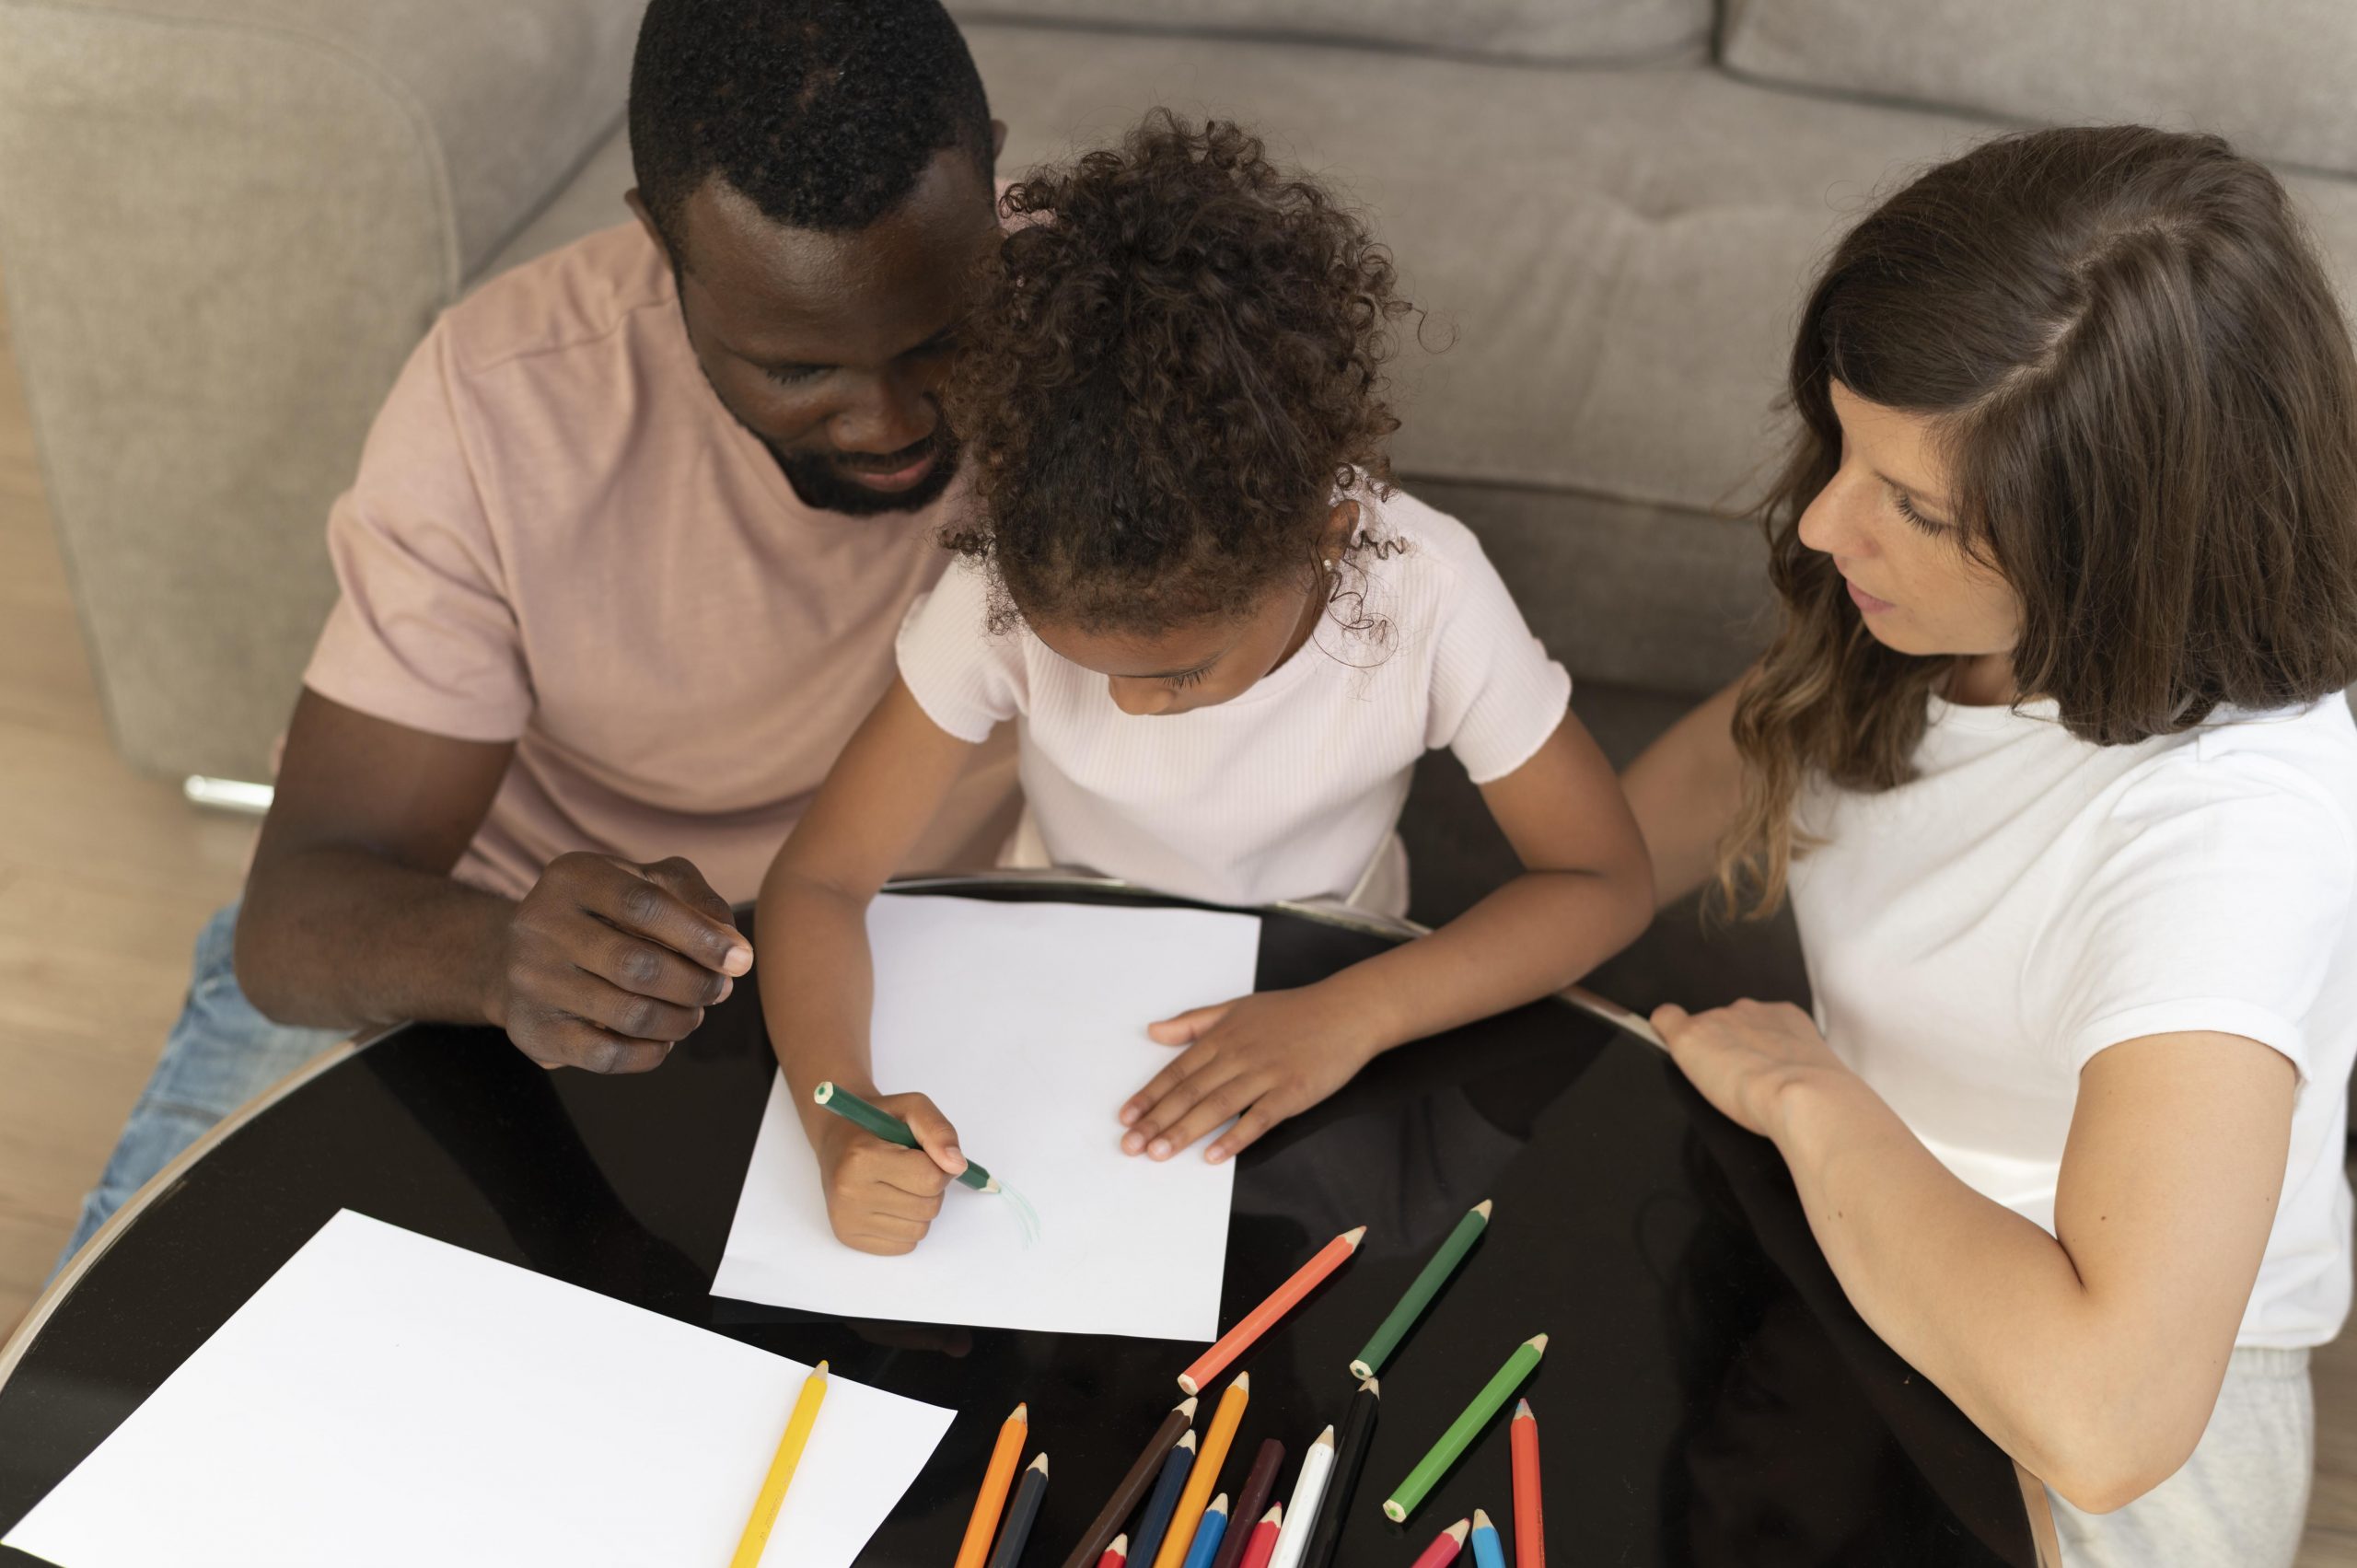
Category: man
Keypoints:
(620, 573)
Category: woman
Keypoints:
(2051, 756)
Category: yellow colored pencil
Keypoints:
(1205, 1475)
(997, 1477)
(756, 1538)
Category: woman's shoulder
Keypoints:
(2289, 776)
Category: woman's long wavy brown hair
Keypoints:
(2142, 385)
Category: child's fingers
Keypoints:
(935, 1136)
(1145, 1135)
(1188, 1026)
(1179, 1069)
(1247, 1132)
(1222, 1104)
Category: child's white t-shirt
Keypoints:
(1291, 790)
(1977, 936)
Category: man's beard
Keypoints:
(818, 480)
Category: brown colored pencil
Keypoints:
(1133, 1487)
(1258, 1483)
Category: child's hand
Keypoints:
(1262, 1058)
(882, 1197)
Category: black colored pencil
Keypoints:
(1016, 1534)
(1349, 1458)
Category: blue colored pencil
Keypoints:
(1208, 1534)
(1488, 1550)
(1154, 1523)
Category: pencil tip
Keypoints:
(1275, 1516)
(1522, 1410)
(1356, 1237)
(1121, 1546)
(1538, 1342)
(1481, 1519)
(1372, 1387)
(1219, 1505)
(1041, 1464)
(993, 1186)
(1459, 1530)
(1021, 1412)
(1325, 1439)
(1186, 1441)
(1243, 1382)
(1188, 1405)
(819, 1370)
(1482, 1208)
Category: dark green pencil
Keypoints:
(1420, 1295)
(890, 1128)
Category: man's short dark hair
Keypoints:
(824, 113)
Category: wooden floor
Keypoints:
(105, 877)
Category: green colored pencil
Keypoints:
(890, 1128)
(1394, 1329)
(1409, 1493)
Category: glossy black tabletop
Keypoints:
(1708, 1397)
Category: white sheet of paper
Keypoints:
(386, 1400)
(1026, 1023)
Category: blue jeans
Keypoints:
(218, 1056)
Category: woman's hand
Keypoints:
(1261, 1058)
(1744, 1058)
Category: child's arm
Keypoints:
(1686, 788)
(817, 986)
(1585, 893)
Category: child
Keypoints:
(1226, 641)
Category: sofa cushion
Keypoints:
(2275, 79)
(1593, 31)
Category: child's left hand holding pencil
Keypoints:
(1260, 1058)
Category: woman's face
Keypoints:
(1887, 520)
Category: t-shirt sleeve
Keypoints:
(967, 679)
(423, 632)
(1497, 695)
(2219, 902)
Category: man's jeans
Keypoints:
(218, 1056)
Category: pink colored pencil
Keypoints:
(1263, 1544)
(1263, 1317)
(1445, 1546)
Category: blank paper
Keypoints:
(389, 1399)
(1026, 1023)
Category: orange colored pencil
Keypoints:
(1529, 1511)
(1205, 1475)
(983, 1523)
(1263, 1544)
(1259, 1322)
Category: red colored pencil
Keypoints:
(1530, 1509)
(1259, 1322)
(1116, 1555)
(1263, 1544)
(1445, 1546)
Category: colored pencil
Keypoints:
(996, 1477)
(1463, 1430)
(1316, 1466)
(1116, 1555)
(1179, 1542)
(1124, 1500)
(1265, 1535)
(1258, 1321)
(1258, 1483)
(1487, 1551)
(1529, 1507)
(756, 1538)
(1445, 1547)
(1210, 1530)
(882, 1124)
(1155, 1521)
(1349, 1458)
(1426, 1285)
(1021, 1516)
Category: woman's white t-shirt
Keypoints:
(1291, 790)
(1975, 936)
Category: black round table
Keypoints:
(1708, 1397)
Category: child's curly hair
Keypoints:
(1175, 364)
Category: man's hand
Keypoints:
(609, 965)
(882, 1197)
(1260, 1058)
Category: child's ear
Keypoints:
(1341, 524)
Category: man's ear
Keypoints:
(646, 221)
(998, 140)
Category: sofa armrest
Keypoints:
(225, 223)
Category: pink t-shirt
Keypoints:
(560, 538)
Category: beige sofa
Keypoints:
(223, 223)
